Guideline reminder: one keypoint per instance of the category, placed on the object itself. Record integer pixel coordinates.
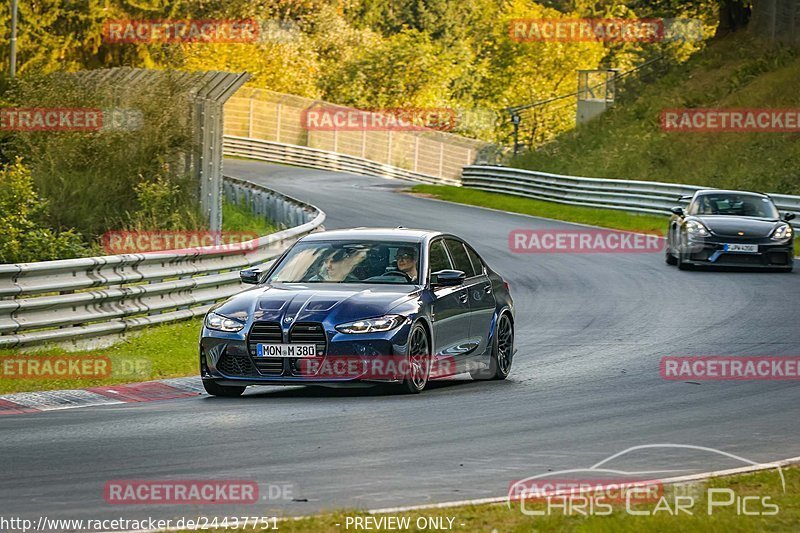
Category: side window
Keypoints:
(437, 258)
(460, 257)
(477, 264)
(700, 206)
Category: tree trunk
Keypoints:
(733, 15)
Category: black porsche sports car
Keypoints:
(730, 228)
(363, 305)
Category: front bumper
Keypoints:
(711, 252)
(230, 358)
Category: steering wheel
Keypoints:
(398, 273)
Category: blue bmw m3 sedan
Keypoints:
(396, 306)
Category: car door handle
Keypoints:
(487, 289)
(463, 298)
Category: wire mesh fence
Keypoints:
(271, 116)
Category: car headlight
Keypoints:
(696, 229)
(371, 325)
(784, 231)
(222, 323)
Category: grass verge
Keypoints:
(239, 218)
(763, 490)
(607, 218)
(156, 353)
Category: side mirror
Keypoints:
(677, 211)
(251, 275)
(447, 278)
(788, 216)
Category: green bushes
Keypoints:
(161, 205)
(96, 181)
(24, 236)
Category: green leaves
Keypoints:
(23, 235)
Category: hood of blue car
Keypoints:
(316, 302)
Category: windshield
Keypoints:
(349, 262)
(737, 204)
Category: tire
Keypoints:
(681, 264)
(502, 352)
(214, 389)
(671, 259)
(419, 361)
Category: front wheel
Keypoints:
(502, 352)
(419, 361)
(682, 265)
(671, 259)
(214, 389)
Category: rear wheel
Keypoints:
(502, 352)
(214, 389)
(419, 361)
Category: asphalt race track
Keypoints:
(591, 330)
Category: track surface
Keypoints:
(585, 384)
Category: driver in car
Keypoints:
(339, 266)
(407, 262)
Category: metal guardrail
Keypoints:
(303, 156)
(56, 301)
(625, 195)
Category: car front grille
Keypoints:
(270, 332)
(742, 259)
(236, 365)
(269, 366)
(779, 258)
(308, 332)
(263, 332)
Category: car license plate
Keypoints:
(747, 248)
(286, 350)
